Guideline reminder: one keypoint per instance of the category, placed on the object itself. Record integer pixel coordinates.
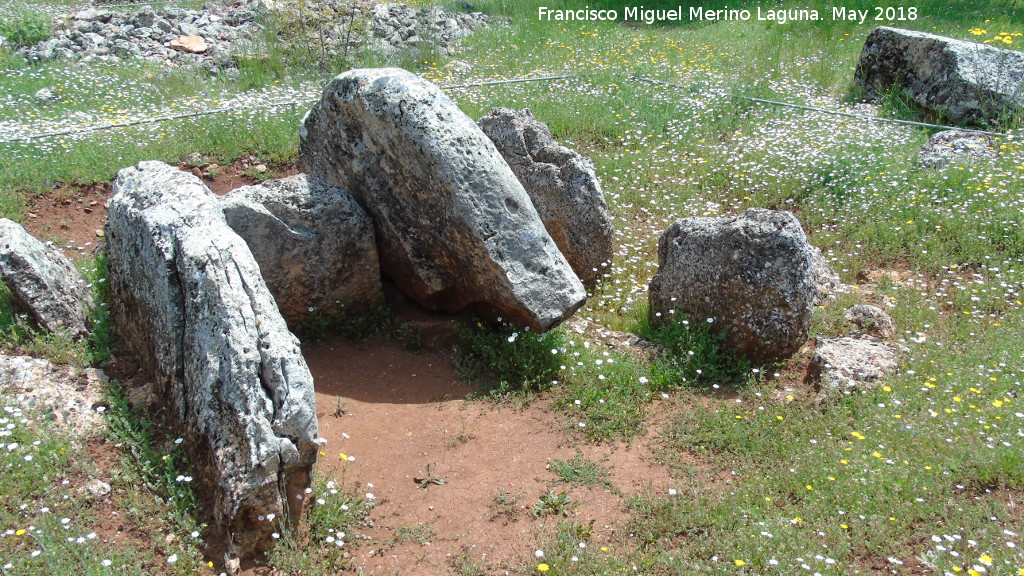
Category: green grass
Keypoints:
(51, 525)
(27, 28)
(330, 523)
(503, 359)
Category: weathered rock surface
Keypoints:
(826, 281)
(752, 274)
(563, 187)
(70, 395)
(952, 145)
(313, 242)
(189, 301)
(871, 319)
(98, 34)
(966, 82)
(232, 27)
(455, 228)
(395, 28)
(842, 364)
(44, 282)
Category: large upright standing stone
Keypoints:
(44, 282)
(562, 185)
(189, 301)
(455, 228)
(963, 81)
(752, 275)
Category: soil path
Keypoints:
(403, 411)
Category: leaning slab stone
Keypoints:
(843, 364)
(751, 274)
(313, 242)
(966, 82)
(563, 187)
(189, 301)
(44, 282)
(455, 228)
(949, 146)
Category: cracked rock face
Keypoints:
(44, 282)
(313, 242)
(189, 302)
(455, 228)
(966, 82)
(751, 274)
(563, 187)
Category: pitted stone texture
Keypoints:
(189, 301)
(843, 364)
(966, 82)
(949, 146)
(826, 281)
(455, 228)
(313, 242)
(563, 187)
(752, 274)
(871, 319)
(44, 282)
(68, 394)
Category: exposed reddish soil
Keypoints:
(404, 411)
(73, 216)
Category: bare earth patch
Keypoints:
(397, 412)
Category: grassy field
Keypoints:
(924, 474)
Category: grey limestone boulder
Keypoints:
(966, 82)
(563, 187)
(949, 146)
(455, 228)
(840, 365)
(313, 242)
(189, 301)
(44, 282)
(750, 274)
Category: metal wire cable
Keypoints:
(140, 121)
(839, 112)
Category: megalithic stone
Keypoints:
(455, 228)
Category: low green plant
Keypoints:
(553, 504)
(159, 464)
(693, 353)
(502, 359)
(27, 28)
(603, 394)
(94, 272)
(410, 335)
(581, 471)
(505, 505)
(355, 325)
